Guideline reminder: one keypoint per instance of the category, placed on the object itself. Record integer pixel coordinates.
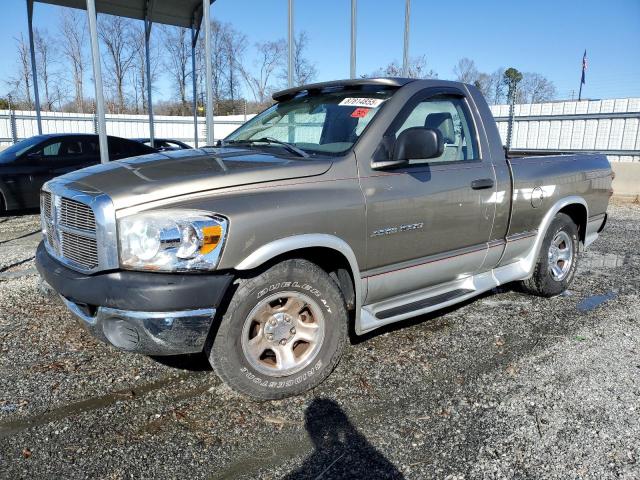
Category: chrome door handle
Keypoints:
(482, 183)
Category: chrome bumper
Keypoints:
(150, 333)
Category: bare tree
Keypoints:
(22, 82)
(177, 45)
(115, 33)
(139, 69)
(269, 59)
(497, 91)
(483, 83)
(303, 70)
(417, 68)
(234, 44)
(535, 88)
(46, 52)
(72, 30)
(465, 71)
(218, 61)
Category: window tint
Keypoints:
(90, 147)
(71, 148)
(51, 150)
(448, 116)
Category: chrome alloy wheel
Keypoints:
(283, 333)
(560, 255)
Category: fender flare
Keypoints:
(297, 242)
(529, 261)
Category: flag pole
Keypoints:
(582, 79)
(580, 91)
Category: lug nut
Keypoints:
(269, 337)
(272, 321)
(283, 342)
(293, 331)
(287, 319)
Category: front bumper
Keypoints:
(149, 313)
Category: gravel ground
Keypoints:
(506, 386)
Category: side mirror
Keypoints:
(418, 143)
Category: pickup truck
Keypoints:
(343, 207)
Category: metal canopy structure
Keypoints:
(179, 13)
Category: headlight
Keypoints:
(171, 240)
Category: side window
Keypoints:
(90, 147)
(51, 150)
(449, 116)
(71, 148)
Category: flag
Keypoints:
(584, 66)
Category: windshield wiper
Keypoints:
(288, 146)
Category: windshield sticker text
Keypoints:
(362, 102)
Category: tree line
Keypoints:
(63, 66)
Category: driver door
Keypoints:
(428, 222)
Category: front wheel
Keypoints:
(283, 332)
(558, 259)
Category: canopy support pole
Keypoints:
(147, 35)
(97, 76)
(206, 18)
(34, 71)
(353, 38)
(291, 45)
(405, 53)
(194, 41)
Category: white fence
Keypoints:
(24, 125)
(609, 126)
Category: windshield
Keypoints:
(324, 124)
(11, 153)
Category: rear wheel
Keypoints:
(558, 259)
(283, 332)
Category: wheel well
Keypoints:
(578, 214)
(331, 261)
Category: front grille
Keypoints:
(77, 215)
(70, 230)
(80, 249)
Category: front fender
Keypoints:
(297, 242)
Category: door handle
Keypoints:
(482, 183)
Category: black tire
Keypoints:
(295, 277)
(542, 282)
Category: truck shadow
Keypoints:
(340, 451)
(194, 362)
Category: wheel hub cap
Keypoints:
(560, 256)
(283, 333)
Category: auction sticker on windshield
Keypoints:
(362, 102)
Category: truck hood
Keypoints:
(158, 176)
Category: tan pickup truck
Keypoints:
(345, 206)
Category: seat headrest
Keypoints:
(444, 122)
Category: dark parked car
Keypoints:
(27, 165)
(164, 144)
